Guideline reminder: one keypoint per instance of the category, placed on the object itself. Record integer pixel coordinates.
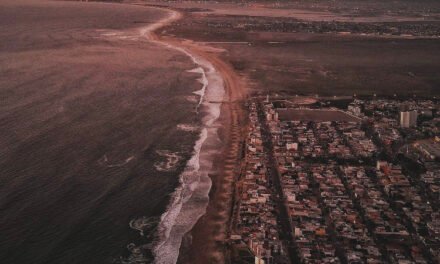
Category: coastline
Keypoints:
(205, 241)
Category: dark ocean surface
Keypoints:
(96, 124)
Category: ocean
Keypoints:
(102, 135)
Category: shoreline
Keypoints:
(205, 241)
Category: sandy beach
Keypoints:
(205, 243)
(210, 232)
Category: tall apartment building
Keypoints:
(408, 118)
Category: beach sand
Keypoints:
(205, 243)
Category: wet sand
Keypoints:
(206, 242)
(209, 234)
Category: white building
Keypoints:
(355, 109)
(408, 118)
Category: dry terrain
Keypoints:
(279, 49)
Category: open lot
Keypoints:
(276, 54)
(315, 115)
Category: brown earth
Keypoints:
(275, 60)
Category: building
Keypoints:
(429, 148)
(354, 109)
(408, 118)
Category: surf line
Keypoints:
(190, 199)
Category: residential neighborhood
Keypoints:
(352, 190)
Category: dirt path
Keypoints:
(211, 231)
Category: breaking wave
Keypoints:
(191, 197)
(188, 127)
(204, 81)
(189, 200)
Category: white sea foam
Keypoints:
(204, 81)
(171, 160)
(118, 35)
(187, 127)
(105, 161)
(111, 34)
(126, 161)
(143, 224)
(191, 197)
(191, 98)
